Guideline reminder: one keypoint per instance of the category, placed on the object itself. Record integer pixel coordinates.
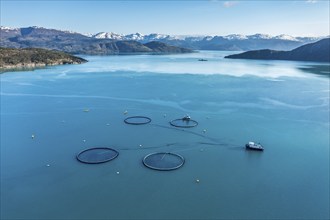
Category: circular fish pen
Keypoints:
(97, 155)
(137, 120)
(163, 161)
(184, 123)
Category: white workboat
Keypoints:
(254, 146)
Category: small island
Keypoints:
(13, 59)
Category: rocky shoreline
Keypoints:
(33, 65)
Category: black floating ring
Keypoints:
(195, 123)
(97, 148)
(164, 169)
(148, 120)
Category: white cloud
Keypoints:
(229, 4)
(311, 1)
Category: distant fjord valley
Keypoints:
(107, 43)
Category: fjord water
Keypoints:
(281, 104)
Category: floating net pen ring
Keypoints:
(97, 155)
(183, 123)
(163, 161)
(137, 120)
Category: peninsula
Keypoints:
(11, 58)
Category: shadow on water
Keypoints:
(322, 70)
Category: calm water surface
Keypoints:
(283, 105)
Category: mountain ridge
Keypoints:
(201, 42)
(318, 52)
(227, 42)
(134, 36)
(75, 43)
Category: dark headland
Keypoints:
(316, 52)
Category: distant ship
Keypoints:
(253, 146)
(202, 60)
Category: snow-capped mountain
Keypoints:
(231, 37)
(136, 36)
(260, 36)
(236, 37)
(155, 37)
(108, 35)
(285, 37)
(7, 29)
(144, 37)
(208, 38)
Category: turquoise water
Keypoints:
(283, 105)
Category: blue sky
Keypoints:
(208, 17)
